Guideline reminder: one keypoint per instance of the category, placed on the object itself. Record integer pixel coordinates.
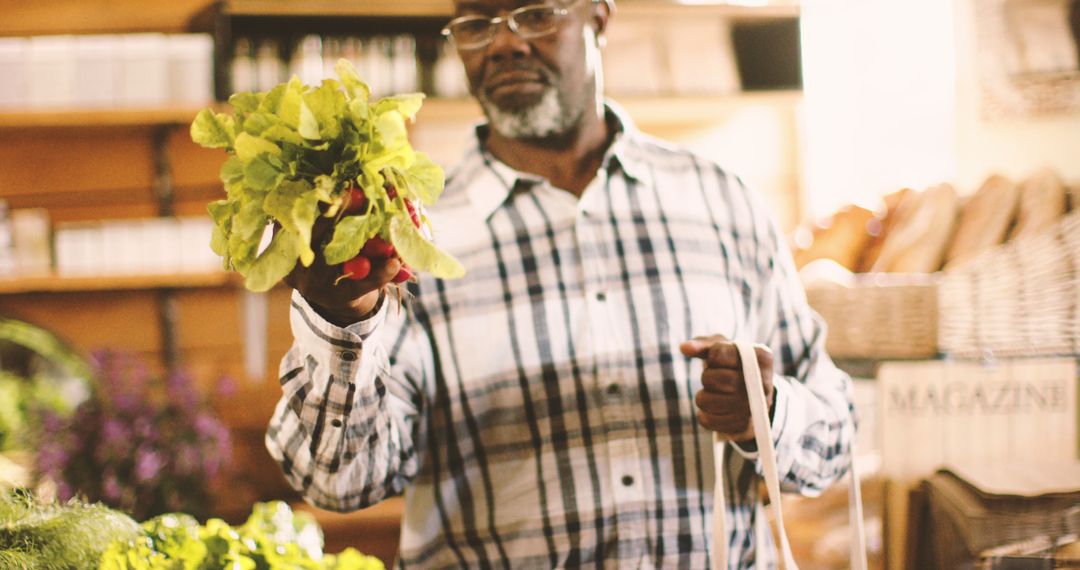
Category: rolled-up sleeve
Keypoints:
(348, 426)
(814, 418)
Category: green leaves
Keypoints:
(213, 130)
(274, 537)
(294, 151)
(418, 252)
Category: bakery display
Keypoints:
(985, 219)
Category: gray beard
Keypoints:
(548, 118)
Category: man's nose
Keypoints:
(505, 43)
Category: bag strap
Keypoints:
(767, 455)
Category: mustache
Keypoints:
(496, 69)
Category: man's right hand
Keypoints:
(339, 301)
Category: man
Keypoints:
(556, 407)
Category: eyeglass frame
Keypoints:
(494, 22)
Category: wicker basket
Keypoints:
(1021, 298)
(881, 316)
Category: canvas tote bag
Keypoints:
(767, 455)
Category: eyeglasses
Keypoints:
(528, 22)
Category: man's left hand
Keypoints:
(723, 406)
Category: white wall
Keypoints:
(892, 100)
(879, 79)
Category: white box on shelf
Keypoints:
(97, 70)
(242, 71)
(194, 241)
(449, 75)
(632, 58)
(14, 55)
(191, 69)
(79, 248)
(404, 64)
(145, 70)
(122, 247)
(157, 252)
(700, 56)
(7, 249)
(31, 239)
(51, 71)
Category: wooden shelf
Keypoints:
(354, 8)
(445, 8)
(43, 17)
(96, 118)
(734, 11)
(50, 283)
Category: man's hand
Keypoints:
(723, 405)
(340, 301)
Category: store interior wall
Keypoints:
(892, 100)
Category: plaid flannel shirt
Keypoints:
(538, 412)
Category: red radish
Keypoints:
(357, 268)
(403, 274)
(378, 248)
(391, 192)
(412, 213)
(356, 202)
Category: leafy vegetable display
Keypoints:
(58, 536)
(298, 152)
(274, 537)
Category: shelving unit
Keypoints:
(52, 283)
(89, 164)
(96, 118)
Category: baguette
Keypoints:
(924, 226)
(879, 227)
(841, 238)
(984, 220)
(1042, 203)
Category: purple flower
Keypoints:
(179, 444)
(115, 432)
(147, 464)
(64, 491)
(227, 387)
(111, 488)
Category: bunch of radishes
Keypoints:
(376, 249)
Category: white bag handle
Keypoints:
(767, 455)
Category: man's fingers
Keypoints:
(719, 404)
(718, 352)
(732, 424)
(722, 380)
(699, 346)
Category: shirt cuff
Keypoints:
(749, 449)
(323, 339)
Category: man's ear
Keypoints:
(601, 13)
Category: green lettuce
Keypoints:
(294, 153)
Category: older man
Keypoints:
(556, 407)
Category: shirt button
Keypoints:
(601, 296)
(613, 389)
(348, 356)
(627, 480)
(335, 422)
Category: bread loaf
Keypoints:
(1042, 203)
(985, 219)
(923, 228)
(883, 221)
(841, 238)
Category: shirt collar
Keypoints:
(487, 197)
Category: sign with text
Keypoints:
(963, 413)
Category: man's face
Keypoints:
(534, 88)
